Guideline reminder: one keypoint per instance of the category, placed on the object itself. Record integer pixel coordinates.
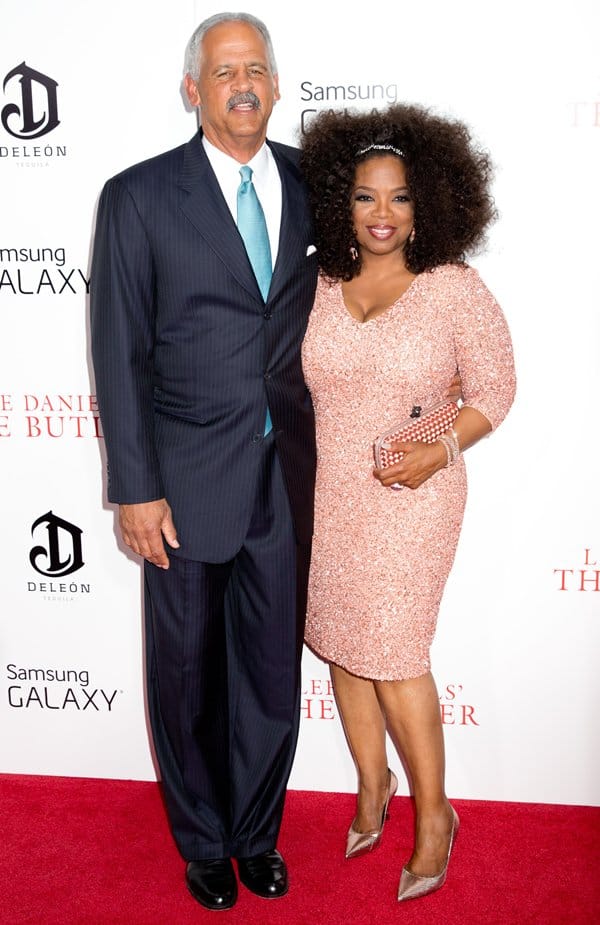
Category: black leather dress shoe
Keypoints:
(212, 883)
(264, 874)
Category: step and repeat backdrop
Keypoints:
(86, 90)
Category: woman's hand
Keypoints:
(422, 460)
(419, 463)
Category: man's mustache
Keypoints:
(248, 97)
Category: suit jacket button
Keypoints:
(256, 438)
(267, 315)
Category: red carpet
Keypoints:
(98, 852)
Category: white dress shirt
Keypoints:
(267, 184)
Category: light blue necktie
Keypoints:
(253, 229)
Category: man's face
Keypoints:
(236, 89)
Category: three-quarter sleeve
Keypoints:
(483, 347)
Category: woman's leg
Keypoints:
(364, 725)
(412, 712)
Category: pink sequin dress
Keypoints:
(380, 557)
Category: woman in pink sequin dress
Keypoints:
(400, 198)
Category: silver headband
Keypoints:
(391, 148)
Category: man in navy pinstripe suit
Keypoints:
(191, 362)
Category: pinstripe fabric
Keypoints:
(223, 644)
(187, 355)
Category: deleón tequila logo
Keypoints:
(61, 554)
(38, 107)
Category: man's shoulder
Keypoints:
(154, 169)
(286, 151)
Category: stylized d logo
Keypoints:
(64, 540)
(32, 85)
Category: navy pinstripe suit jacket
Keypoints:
(187, 355)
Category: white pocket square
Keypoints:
(311, 249)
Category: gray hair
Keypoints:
(193, 50)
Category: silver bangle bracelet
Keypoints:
(444, 440)
(450, 441)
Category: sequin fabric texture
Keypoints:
(381, 557)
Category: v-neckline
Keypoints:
(381, 314)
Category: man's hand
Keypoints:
(454, 392)
(143, 527)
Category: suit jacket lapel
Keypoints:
(294, 216)
(208, 212)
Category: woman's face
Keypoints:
(382, 209)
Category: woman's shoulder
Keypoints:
(453, 272)
(327, 286)
(458, 278)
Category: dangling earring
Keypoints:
(353, 253)
(412, 235)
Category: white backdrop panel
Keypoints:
(515, 654)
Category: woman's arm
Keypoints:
(484, 356)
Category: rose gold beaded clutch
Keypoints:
(423, 426)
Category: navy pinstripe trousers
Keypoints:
(223, 648)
